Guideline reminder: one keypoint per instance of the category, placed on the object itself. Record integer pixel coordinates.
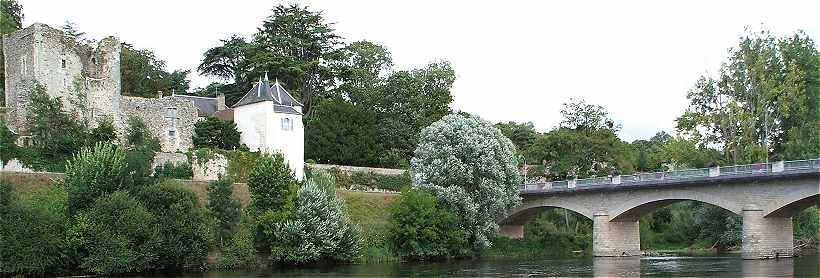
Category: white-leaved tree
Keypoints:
(320, 228)
(471, 166)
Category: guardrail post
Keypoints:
(548, 186)
(571, 183)
(714, 171)
(778, 166)
(616, 179)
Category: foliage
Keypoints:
(241, 164)
(294, 44)
(121, 236)
(471, 167)
(270, 184)
(143, 74)
(764, 101)
(171, 170)
(239, 252)
(95, 172)
(8, 148)
(104, 132)
(421, 228)
(224, 208)
(216, 133)
(351, 139)
(320, 228)
(579, 115)
(57, 135)
(182, 230)
(522, 135)
(142, 147)
(806, 224)
(32, 240)
(369, 180)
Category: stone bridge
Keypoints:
(765, 195)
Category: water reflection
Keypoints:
(768, 268)
(616, 267)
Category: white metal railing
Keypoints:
(683, 174)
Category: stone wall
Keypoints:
(210, 168)
(354, 169)
(171, 120)
(161, 158)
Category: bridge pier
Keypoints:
(766, 237)
(614, 239)
(511, 231)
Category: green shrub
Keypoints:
(216, 133)
(240, 164)
(142, 146)
(57, 135)
(120, 235)
(8, 149)
(320, 229)
(95, 172)
(224, 209)
(182, 170)
(104, 132)
(270, 184)
(239, 252)
(182, 227)
(32, 233)
(421, 228)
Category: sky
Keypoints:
(514, 60)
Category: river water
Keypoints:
(715, 266)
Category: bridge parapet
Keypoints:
(739, 171)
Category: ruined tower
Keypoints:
(85, 77)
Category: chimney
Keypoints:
(220, 102)
(159, 94)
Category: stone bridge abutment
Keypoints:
(765, 203)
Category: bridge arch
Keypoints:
(526, 212)
(632, 209)
(793, 204)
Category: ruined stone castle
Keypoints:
(86, 78)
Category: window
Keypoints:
(23, 65)
(172, 133)
(287, 124)
(63, 63)
(171, 112)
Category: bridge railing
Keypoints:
(734, 170)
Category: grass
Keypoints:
(371, 211)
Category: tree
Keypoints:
(8, 148)
(69, 28)
(320, 228)
(579, 115)
(120, 235)
(225, 210)
(216, 133)
(764, 101)
(271, 184)
(294, 44)
(182, 233)
(141, 147)
(104, 132)
(11, 19)
(93, 173)
(57, 135)
(143, 74)
(522, 135)
(343, 133)
(421, 228)
(471, 167)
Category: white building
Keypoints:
(270, 120)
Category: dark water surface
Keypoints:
(717, 266)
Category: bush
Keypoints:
(421, 228)
(95, 172)
(104, 132)
(470, 166)
(8, 149)
(57, 135)
(224, 209)
(270, 184)
(320, 229)
(216, 133)
(32, 234)
(182, 227)
(182, 170)
(119, 235)
(384, 182)
(239, 252)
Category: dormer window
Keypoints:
(287, 124)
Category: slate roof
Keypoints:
(283, 101)
(205, 106)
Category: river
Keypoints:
(713, 266)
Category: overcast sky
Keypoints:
(515, 60)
